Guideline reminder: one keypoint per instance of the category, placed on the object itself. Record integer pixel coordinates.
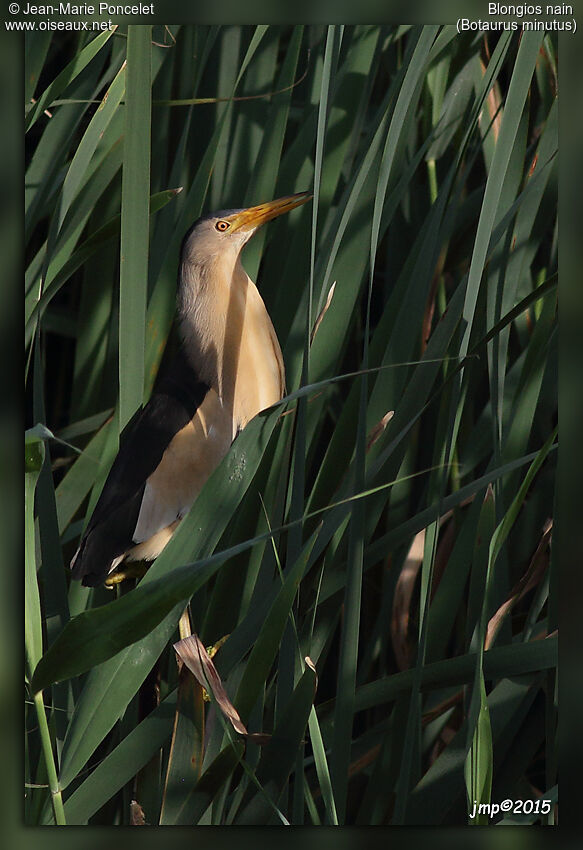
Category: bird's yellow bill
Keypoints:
(254, 217)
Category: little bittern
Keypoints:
(228, 368)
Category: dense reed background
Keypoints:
(392, 520)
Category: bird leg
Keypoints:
(184, 627)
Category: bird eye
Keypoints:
(222, 226)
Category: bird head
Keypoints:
(227, 231)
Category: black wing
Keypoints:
(143, 442)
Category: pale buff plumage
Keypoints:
(234, 369)
(231, 341)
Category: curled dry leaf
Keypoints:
(193, 654)
(312, 666)
(137, 817)
(402, 601)
(494, 108)
(406, 583)
(530, 579)
(377, 430)
(323, 311)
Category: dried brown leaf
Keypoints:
(530, 579)
(494, 106)
(323, 311)
(194, 656)
(377, 430)
(402, 601)
(137, 817)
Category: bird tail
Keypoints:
(74, 566)
(81, 568)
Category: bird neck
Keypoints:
(229, 338)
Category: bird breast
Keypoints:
(233, 345)
(256, 372)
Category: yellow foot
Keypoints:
(212, 651)
(132, 570)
